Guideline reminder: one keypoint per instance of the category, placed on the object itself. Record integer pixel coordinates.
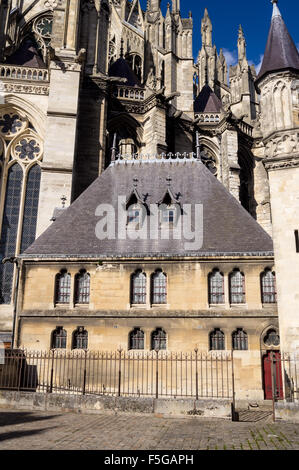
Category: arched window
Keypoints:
(31, 207)
(63, 288)
(268, 285)
(136, 339)
(216, 288)
(80, 338)
(138, 288)
(59, 337)
(20, 155)
(217, 340)
(9, 231)
(82, 287)
(237, 287)
(271, 338)
(240, 340)
(159, 288)
(158, 339)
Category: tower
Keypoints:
(278, 82)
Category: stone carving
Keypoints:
(284, 144)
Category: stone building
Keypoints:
(105, 108)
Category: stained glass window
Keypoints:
(9, 231)
(31, 207)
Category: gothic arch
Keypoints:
(126, 128)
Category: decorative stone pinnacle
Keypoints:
(135, 182)
(169, 181)
(63, 200)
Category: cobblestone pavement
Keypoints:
(22, 430)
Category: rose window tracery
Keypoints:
(27, 148)
(11, 124)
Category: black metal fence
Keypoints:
(121, 373)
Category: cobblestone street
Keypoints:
(55, 431)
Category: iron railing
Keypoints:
(121, 373)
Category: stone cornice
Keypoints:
(282, 163)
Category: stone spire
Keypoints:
(206, 30)
(281, 52)
(241, 45)
(176, 7)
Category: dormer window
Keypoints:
(134, 219)
(169, 207)
(168, 216)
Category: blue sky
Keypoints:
(254, 15)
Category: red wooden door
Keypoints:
(277, 375)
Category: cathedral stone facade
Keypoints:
(103, 107)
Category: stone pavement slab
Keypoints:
(25, 430)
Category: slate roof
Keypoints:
(207, 101)
(27, 56)
(227, 227)
(120, 68)
(281, 52)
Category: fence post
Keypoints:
(196, 375)
(20, 360)
(119, 373)
(84, 374)
(157, 374)
(273, 385)
(52, 373)
(234, 414)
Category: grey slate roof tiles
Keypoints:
(281, 52)
(227, 226)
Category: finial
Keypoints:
(135, 182)
(276, 11)
(63, 200)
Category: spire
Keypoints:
(276, 11)
(206, 30)
(241, 45)
(281, 52)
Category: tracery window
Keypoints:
(136, 339)
(240, 340)
(159, 288)
(20, 156)
(217, 340)
(216, 288)
(42, 28)
(138, 288)
(82, 287)
(271, 338)
(80, 338)
(237, 287)
(268, 284)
